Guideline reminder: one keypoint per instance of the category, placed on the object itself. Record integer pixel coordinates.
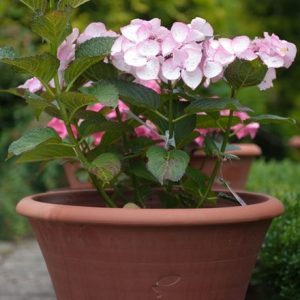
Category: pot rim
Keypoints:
(249, 149)
(32, 207)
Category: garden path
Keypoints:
(23, 273)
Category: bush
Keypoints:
(277, 275)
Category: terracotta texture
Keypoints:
(97, 253)
(236, 172)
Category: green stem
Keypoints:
(219, 160)
(171, 114)
(52, 4)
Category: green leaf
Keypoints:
(78, 67)
(137, 95)
(7, 52)
(105, 93)
(207, 121)
(244, 73)
(74, 101)
(167, 165)
(184, 127)
(91, 126)
(99, 46)
(42, 66)
(32, 139)
(36, 4)
(211, 148)
(270, 119)
(53, 27)
(106, 166)
(211, 105)
(71, 3)
(48, 151)
(140, 170)
(100, 71)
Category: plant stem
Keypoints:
(52, 4)
(220, 159)
(171, 114)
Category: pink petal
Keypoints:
(272, 61)
(168, 45)
(148, 48)
(290, 55)
(119, 63)
(240, 44)
(179, 57)
(268, 80)
(248, 55)
(192, 79)
(193, 60)
(130, 32)
(133, 58)
(169, 71)
(212, 69)
(150, 71)
(59, 126)
(203, 26)
(33, 85)
(143, 33)
(227, 45)
(117, 46)
(179, 32)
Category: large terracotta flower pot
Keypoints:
(98, 253)
(236, 172)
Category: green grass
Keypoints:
(277, 275)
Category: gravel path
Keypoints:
(23, 273)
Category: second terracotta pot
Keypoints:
(236, 172)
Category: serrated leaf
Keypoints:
(36, 4)
(71, 3)
(91, 126)
(270, 119)
(137, 95)
(211, 105)
(105, 93)
(48, 151)
(167, 165)
(106, 167)
(99, 46)
(244, 73)
(101, 71)
(140, 170)
(53, 27)
(7, 52)
(78, 67)
(42, 66)
(184, 127)
(32, 139)
(74, 101)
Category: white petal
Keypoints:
(192, 79)
(168, 45)
(268, 80)
(272, 61)
(169, 71)
(148, 48)
(149, 71)
(212, 69)
(118, 62)
(248, 55)
(193, 60)
(226, 44)
(130, 32)
(240, 44)
(179, 32)
(117, 46)
(203, 26)
(133, 58)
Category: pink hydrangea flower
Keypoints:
(59, 126)
(33, 85)
(66, 51)
(149, 131)
(94, 30)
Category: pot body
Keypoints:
(96, 253)
(236, 172)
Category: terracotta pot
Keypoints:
(294, 142)
(235, 171)
(97, 253)
(74, 183)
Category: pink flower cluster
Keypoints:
(190, 53)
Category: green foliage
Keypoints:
(106, 166)
(72, 3)
(277, 273)
(243, 73)
(167, 165)
(36, 5)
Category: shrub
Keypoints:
(277, 274)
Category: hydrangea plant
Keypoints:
(127, 105)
